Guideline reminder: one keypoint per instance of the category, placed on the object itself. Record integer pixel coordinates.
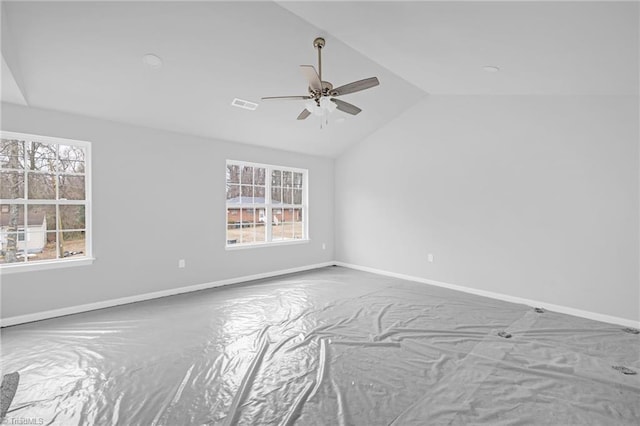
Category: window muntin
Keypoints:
(44, 200)
(265, 204)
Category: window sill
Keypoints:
(263, 245)
(41, 266)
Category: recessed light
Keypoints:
(152, 61)
(491, 68)
(241, 103)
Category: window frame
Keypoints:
(268, 206)
(34, 265)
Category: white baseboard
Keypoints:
(38, 316)
(21, 319)
(533, 303)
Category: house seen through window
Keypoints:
(44, 199)
(265, 204)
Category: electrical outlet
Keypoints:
(430, 258)
(182, 263)
(324, 246)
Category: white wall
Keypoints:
(533, 197)
(167, 191)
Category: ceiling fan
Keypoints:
(322, 95)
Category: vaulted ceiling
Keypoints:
(86, 58)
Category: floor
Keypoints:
(331, 346)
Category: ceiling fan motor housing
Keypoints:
(326, 90)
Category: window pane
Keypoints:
(247, 175)
(41, 157)
(278, 216)
(72, 217)
(40, 243)
(71, 187)
(233, 234)
(297, 215)
(35, 244)
(287, 196)
(276, 178)
(259, 176)
(288, 215)
(276, 195)
(287, 179)
(248, 216)
(48, 251)
(11, 242)
(259, 195)
(233, 173)
(261, 216)
(233, 193)
(11, 217)
(11, 154)
(41, 217)
(276, 231)
(11, 185)
(247, 194)
(233, 226)
(41, 186)
(233, 216)
(71, 159)
(297, 196)
(297, 180)
(298, 230)
(12, 249)
(261, 232)
(288, 233)
(248, 234)
(72, 243)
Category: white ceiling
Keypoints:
(86, 58)
(542, 48)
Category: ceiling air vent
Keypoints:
(251, 106)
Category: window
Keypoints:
(44, 201)
(265, 204)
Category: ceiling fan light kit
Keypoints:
(321, 100)
(323, 105)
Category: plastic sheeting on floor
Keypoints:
(327, 347)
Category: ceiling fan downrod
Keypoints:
(318, 43)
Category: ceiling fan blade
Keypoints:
(356, 86)
(312, 76)
(346, 107)
(304, 114)
(286, 98)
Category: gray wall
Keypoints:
(535, 197)
(166, 191)
(532, 196)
